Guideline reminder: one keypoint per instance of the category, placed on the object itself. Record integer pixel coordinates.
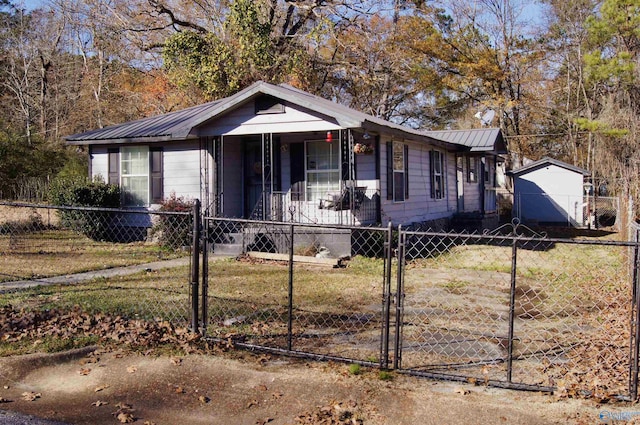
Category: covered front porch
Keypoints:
(319, 177)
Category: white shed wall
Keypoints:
(549, 194)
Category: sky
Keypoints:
(30, 4)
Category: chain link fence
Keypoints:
(290, 290)
(120, 262)
(518, 309)
(510, 308)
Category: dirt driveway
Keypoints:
(89, 386)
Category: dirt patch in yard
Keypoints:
(90, 386)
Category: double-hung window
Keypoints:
(397, 171)
(138, 170)
(322, 168)
(473, 168)
(134, 175)
(437, 174)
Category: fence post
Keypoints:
(512, 302)
(635, 323)
(290, 290)
(386, 298)
(397, 350)
(195, 265)
(205, 274)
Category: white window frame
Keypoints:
(315, 168)
(398, 151)
(438, 176)
(134, 169)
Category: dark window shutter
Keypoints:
(390, 170)
(114, 166)
(406, 172)
(277, 164)
(155, 168)
(432, 173)
(296, 156)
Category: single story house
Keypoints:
(274, 152)
(549, 192)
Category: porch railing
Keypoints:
(355, 206)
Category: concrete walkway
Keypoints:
(106, 273)
(14, 418)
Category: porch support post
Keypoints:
(267, 175)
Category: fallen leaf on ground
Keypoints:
(125, 417)
(101, 388)
(461, 390)
(132, 369)
(176, 360)
(99, 403)
(124, 406)
(204, 399)
(84, 371)
(31, 396)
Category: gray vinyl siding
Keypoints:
(419, 206)
(99, 162)
(181, 170)
(244, 121)
(366, 166)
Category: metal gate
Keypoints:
(516, 309)
(510, 308)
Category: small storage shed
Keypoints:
(549, 192)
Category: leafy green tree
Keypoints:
(611, 74)
(249, 49)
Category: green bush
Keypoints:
(174, 231)
(81, 192)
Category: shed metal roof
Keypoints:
(184, 124)
(548, 161)
(479, 139)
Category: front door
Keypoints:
(253, 169)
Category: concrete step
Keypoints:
(231, 249)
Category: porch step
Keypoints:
(234, 243)
(228, 249)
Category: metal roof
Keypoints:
(159, 127)
(184, 124)
(548, 161)
(479, 139)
